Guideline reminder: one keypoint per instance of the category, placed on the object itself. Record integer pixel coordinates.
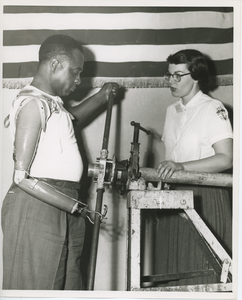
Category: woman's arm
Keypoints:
(220, 161)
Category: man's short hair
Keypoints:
(58, 46)
(195, 61)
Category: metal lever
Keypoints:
(140, 127)
(133, 171)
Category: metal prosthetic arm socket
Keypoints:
(25, 146)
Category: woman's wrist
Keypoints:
(181, 166)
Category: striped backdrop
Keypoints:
(124, 44)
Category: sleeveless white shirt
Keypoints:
(57, 154)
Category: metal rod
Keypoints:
(215, 179)
(95, 238)
(140, 127)
(99, 198)
(107, 122)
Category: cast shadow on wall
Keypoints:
(213, 85)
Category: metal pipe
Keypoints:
(198, 178)
(99, 198)
(140, 127)
(107, 122)
(95, 238)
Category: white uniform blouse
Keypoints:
(191, 130)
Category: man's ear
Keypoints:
(54, 64)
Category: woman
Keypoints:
(198, 137)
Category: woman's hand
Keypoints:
(167, 168)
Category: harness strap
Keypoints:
(45, 104)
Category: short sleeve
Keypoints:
(218, 125)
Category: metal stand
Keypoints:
(129, 177)
(100, 190)
(166, 199)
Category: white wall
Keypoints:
(146, 106)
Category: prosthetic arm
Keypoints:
(28, 130)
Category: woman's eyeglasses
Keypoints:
(176, 77)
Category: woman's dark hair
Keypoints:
(58, 46)
(195, 61)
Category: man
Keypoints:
(43, 231)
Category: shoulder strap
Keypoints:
(45, 104)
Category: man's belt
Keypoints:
(62, 183)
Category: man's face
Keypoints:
(66, 75)
(183, 88)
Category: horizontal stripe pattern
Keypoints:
(108, 9)
(122, 69)
(125, 37)
(126, 43)
(122, 53)
(117, 21)
(126, 82)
